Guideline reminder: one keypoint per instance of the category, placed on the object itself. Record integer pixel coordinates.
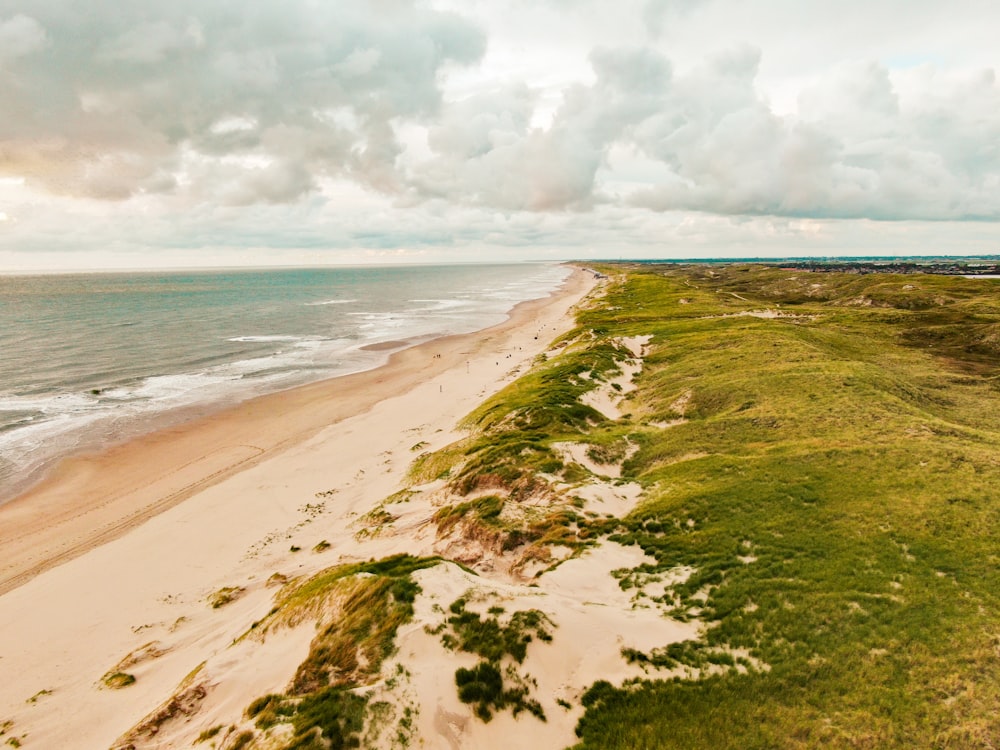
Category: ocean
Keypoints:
(92, 359)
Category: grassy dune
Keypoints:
(835, 486)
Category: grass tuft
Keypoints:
(117, 680)
(225, 595)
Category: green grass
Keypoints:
(485, 509)
(7, 725)
(835, 488)
(209, 733)
(529, 530)
(488, 638)
(40, 694)
(372, 600)
(514, 430)
(429, 467)
(334, 715)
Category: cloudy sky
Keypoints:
(217, 132)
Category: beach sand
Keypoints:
(93, 499)
(112, 563)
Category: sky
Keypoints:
(308, 132)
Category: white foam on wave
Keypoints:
(305, 352)
(462, 311)
(331, 302)
(311, 343)
(160, 388)
(57, 425)
(36, 434)
(54, 404)
(264, 339)
(375, 327)
(391, 319)
(441, 305)
(31, 444)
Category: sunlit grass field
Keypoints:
(836, 486)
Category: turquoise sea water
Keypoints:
(93, 358)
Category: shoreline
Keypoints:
(90, 499)
(178, 416)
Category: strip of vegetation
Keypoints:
(40, 694)
(209, 733)
(328, 718)
(529, 530)
(694, 654)
(492, 685)
(516, 428)
(511, 469)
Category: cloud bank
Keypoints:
(435, 114)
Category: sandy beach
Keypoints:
(92, 499)
(113, 559)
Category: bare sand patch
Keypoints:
(607, 396)
(765, 314)
(593, 621)
(614, 499)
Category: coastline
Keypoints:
(90, 499)
(653, 581)
(139, 590)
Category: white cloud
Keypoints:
(477, 124)
(20, 35)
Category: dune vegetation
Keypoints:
(819, 460)
(832, 481)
